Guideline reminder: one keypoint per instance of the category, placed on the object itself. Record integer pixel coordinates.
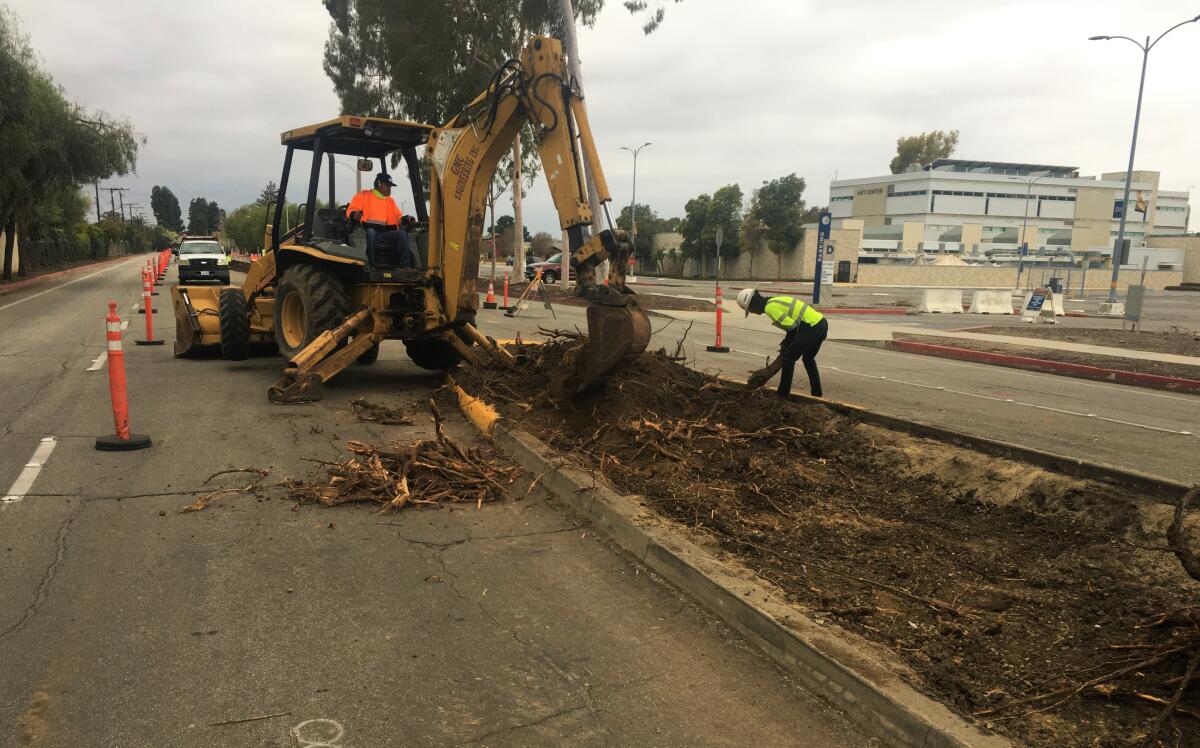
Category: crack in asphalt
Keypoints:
(60, 550)
(524, 725)
(535, 653)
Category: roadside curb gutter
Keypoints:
(861, 678)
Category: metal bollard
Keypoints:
(122, 439)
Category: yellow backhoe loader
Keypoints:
(313, 295)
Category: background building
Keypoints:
(984, 210)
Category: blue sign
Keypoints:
(1118, 209)
(1036, 300)
(823, 225)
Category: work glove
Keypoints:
(757, 379)
(356, 217)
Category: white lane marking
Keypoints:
(98, 362)
(1011, 401)
(29, 473)
(60, 285)
(125, 324)
(1008, 371)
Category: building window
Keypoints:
(958, 192)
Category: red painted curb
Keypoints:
(7, 288)
(1083, 371)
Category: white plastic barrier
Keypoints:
(991, 302)
(1057, 302)
(942, 300)
(1113, 309)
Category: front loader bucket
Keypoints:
(616, 334)
(196, 322)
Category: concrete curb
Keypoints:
(15, 286)
(855, 675)
(1083, 371)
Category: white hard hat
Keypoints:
(743, 299)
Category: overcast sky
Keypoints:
(727, 90)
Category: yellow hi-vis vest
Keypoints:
(785, 312)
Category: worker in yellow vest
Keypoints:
(804, 330)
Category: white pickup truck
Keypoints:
(202, 259)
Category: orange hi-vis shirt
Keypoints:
(376, 208)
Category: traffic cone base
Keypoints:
(115, 443)
(149, 342)
(710, 348)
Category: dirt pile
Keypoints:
(1008, 590)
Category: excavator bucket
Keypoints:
(616, 334)
(197, 325)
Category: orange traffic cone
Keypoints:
(490, 301)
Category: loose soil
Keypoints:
(994, 581)
(1141, 366)
(1178, 341)
(649, 301)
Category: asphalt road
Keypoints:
(1128, 427)
(124, 622)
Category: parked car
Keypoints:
(202, 259)
(508, 261)
(551, 268)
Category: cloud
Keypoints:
(727, 91)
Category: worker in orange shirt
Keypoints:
(381, 218)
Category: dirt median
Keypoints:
(1179, 341)
(995, 581)
(1136, 365)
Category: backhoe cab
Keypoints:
(312, 295)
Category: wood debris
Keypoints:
(428, 472)
(369, 411)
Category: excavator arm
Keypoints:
(537, 91)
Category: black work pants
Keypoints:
(802, 342)
(396, 239)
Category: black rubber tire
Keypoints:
(235, 324)
(434, 355)
(549, 276)
(322, 297)
(369, 356)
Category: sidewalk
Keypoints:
(7, 287)
(845, 329)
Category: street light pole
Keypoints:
(1025, 229)
(633, 201)
(1137, 116)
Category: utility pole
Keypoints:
(96, 184)
(112, 203)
